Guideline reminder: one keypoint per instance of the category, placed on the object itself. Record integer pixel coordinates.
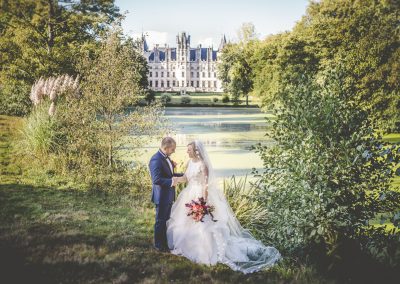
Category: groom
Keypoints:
(164, 181)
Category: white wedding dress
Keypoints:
(208, 242)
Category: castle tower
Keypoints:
(183, 47)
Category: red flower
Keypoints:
(198, 209)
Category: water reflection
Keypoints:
(228, 134)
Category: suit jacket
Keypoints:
(161, 176)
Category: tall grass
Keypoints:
(40, 133)
(245, 199)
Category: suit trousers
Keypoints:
(163, 212)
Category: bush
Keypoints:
(225, 99)
(14, 98)
(214, 99)
(150, 96)
(165, 99)
(328, 174)
(185, 99)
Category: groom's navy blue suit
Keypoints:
(163, 195)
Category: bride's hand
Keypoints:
(181, 179)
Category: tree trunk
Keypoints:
(50, 26)
(110, 147)
(247, 100)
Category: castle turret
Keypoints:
(222, 43)
(143, 44)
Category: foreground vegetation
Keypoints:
(52, 232)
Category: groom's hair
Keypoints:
(167, 142)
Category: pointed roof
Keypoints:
(222, 43)
(145, 46)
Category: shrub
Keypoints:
(329, 173)
(214, 99)
(150, 96)
(185, 99)
(225, 98)
(14, 98)
(165, 99)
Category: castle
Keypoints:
(183, 69)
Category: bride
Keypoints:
(209, 242)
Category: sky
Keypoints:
(206, 21)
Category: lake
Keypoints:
(227, 133)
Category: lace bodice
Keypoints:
(196, 173)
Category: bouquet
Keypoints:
(199, 208)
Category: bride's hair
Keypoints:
(196, 151)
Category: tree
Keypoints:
(44, 38)
(112, 82)
(234, 69)
(247, 33)
(360, 36)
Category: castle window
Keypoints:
(151, 74)
(204, 74)
(191, 83)
(215, 74)
(173, 83)
(209, 84)
(183, 74)
(215, 84)
(198, 74)
(173, 74)
(162, 84)
(209, 75)
(187, 83)
(183, 83)
(151, 83)
(156, 74)
(191, 75)
(156, 84)
(203, 84)
(167, 84)
(177, 83)
(198, 84)
(167, 74)
(162, 74)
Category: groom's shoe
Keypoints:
(163, 249)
